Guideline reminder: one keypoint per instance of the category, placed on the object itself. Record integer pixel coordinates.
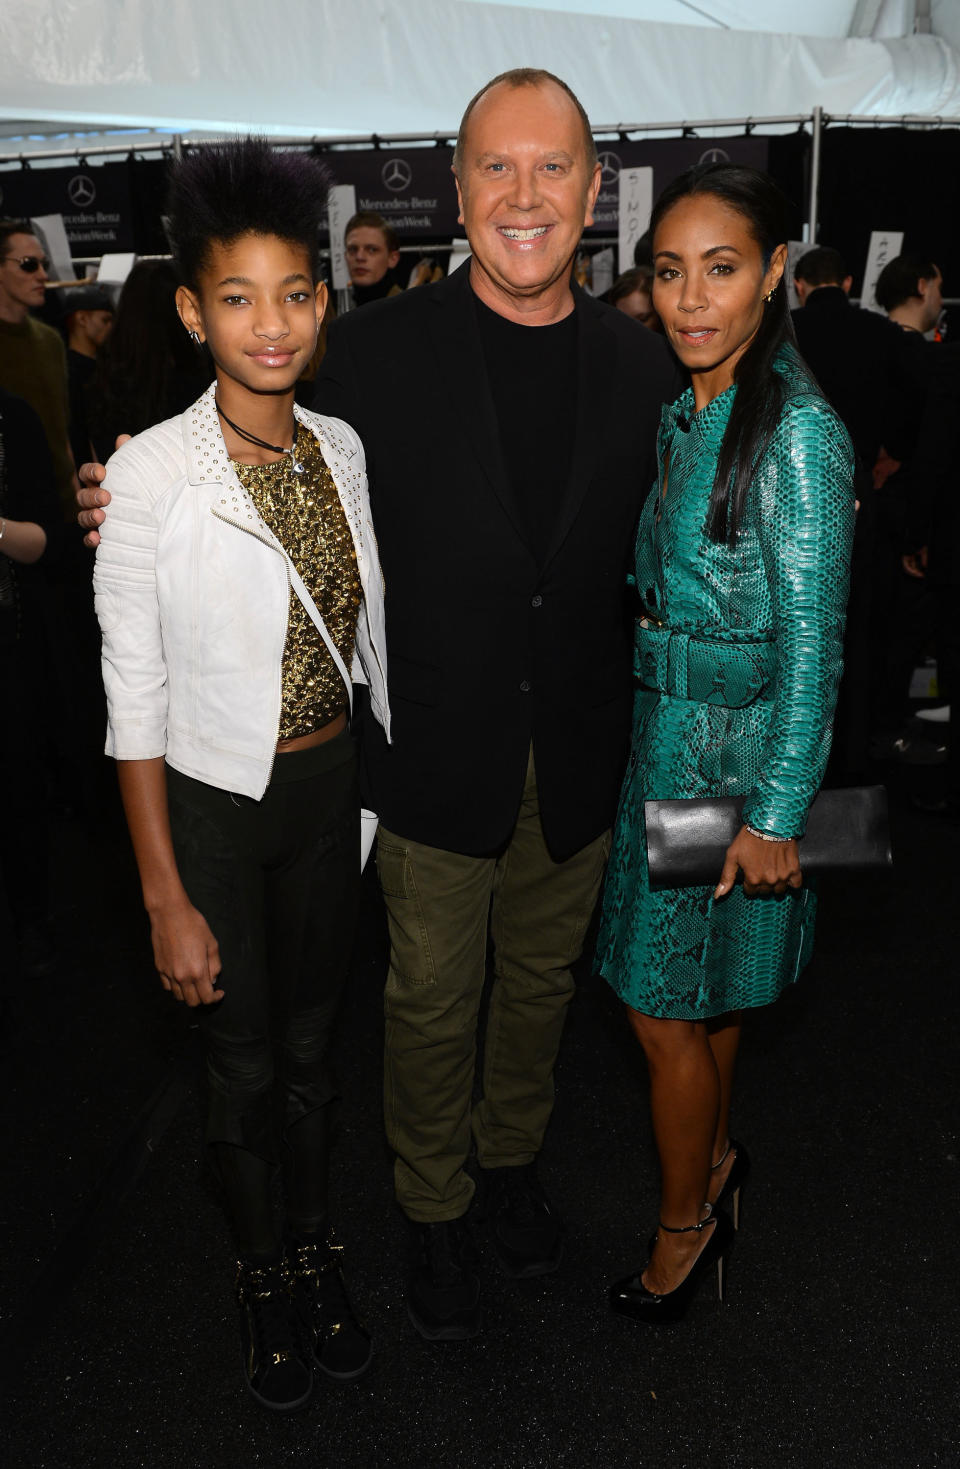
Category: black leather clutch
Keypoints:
(847, 831)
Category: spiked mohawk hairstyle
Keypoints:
(219, 192)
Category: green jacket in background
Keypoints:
(33, 366)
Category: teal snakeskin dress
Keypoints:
(737, 691)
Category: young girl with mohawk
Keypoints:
(239, 591)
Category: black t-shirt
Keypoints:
(81, 370)
(27, 492)
(532, 371)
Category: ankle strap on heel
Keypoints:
(688, 1228)
(723, 1157)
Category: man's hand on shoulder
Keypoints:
(93, 499)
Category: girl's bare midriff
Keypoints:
(316, 737)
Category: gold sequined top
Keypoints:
(305, 515)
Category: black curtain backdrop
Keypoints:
(788, 161)
(888, 178)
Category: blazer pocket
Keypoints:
(418, 683)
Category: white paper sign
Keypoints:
(342, 207)
(51, 230)
(636, 206)
(796, 249)
(601, 272)
(885, 245)
(114, 269)
(459, 252)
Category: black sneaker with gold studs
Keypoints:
(274, 1365)
(339, 1344)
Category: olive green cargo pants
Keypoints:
(440, 907)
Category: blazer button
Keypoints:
(536, 601)
(525, 687)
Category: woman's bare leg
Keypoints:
(723, 1035)
(685, 1103)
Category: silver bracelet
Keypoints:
(765, 835)
(3, 526)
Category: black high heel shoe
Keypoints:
(735, 1179)
(630, 1297)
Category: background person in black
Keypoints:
(30, 518)
(933, 546)
(504, 524)
(88, 320)
(861, 361)
(866, 369)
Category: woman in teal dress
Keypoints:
(742, 565)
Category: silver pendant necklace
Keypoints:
(296, 463)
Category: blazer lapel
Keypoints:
(596, 359)
(456, 338)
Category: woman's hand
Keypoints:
(186, 953)
(767, 867)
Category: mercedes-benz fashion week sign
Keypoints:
(94, 201)
(413, 187)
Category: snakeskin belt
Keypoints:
(704, 670)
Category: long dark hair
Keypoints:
(146, 359)
(759, 399)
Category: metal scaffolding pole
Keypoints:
(176, 142)
(814, 220)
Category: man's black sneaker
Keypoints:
(525, 1230)
(274, 1368)
(339, 1344)
(443, 1298)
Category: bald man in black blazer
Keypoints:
(509, 422)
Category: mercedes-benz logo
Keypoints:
(396, 174)
(81, 190)
(715, 155)
(610, 164)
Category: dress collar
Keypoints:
(708, 425)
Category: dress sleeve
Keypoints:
(127, 607)
(805, 519)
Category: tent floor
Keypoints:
(838, 1343)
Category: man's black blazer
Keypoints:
(486, 650)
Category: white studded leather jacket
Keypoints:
(192, 592)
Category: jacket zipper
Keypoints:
(279, 704)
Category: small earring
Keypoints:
(195, 338)
(770, 295)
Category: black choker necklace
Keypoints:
(297, 466)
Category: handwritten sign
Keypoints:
(601, 272)
(885, 245)
(636, 205)
(342, 207)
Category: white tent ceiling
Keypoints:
(325, 67)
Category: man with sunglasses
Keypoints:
(33, 360)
